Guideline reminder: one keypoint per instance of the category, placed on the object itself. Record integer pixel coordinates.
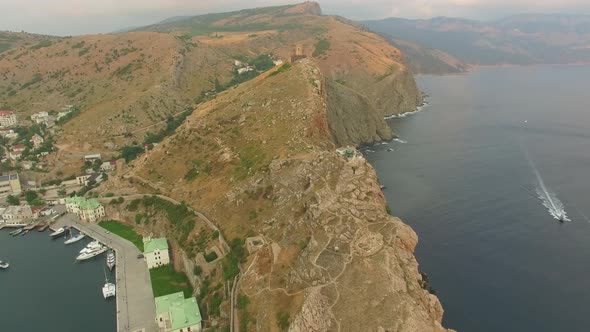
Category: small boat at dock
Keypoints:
(74, 239)
(58, 232)
(16, 232)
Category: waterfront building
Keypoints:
(10, 185)
(87, 209)
(18, 215)
(155, 252)
(174, 313)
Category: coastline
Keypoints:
(474, 67)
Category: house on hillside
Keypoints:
(92, 157)
(7, 119)
(8, 133)
(37, 141)
(108, 166)
(85, 179)
(16, 151)
(87, 209)
(18, 148)
(155, 252)
(174, 313)
(40, 117)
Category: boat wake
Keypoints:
(399, 140)
(403, 115)
(548, 197)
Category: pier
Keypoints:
(136, 309)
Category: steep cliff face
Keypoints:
(352, 117)
(358, 104)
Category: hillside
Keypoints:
(128, 85)
(260, 161)
(429, 61)
(520, 39)
(10, 40)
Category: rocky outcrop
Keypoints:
(357, 272)
(352, 118)
(357, 105)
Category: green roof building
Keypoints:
(87, 209)
(155, 252)
(174, 313)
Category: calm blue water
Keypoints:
(496, 258)
(46, 290)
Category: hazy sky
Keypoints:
(73, 17)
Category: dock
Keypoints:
(29, 227)
(136, 309)
(43, 226)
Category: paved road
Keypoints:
(136, 310)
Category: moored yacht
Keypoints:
(111, 259)
(4, 265)
(58, 232)
(109, 289)
(91, 253)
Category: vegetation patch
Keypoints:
(123, 231)
(283, 69)
(322, 46)
(179, 216)
(41, 44)
(165, 280)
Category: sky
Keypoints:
(75, 17)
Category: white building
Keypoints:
(87, 209)
(18, 215)
(40, 118)
(7, 118)
(92, 157)
(37, 141)
(10, 185)
(155, 252)
(108, 166)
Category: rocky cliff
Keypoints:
(324, 255)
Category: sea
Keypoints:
(45, 289)
(463, 175)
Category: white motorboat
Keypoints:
(4, 265)
(58, 232)
(94, 245)
(92, 253)
(109, 289)
(76, 238)
(111, 259)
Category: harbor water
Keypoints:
(490, 241)
(45, 289)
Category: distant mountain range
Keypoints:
(519, 39)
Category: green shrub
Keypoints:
(283, 320)
(210, 257)
(321, 47)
